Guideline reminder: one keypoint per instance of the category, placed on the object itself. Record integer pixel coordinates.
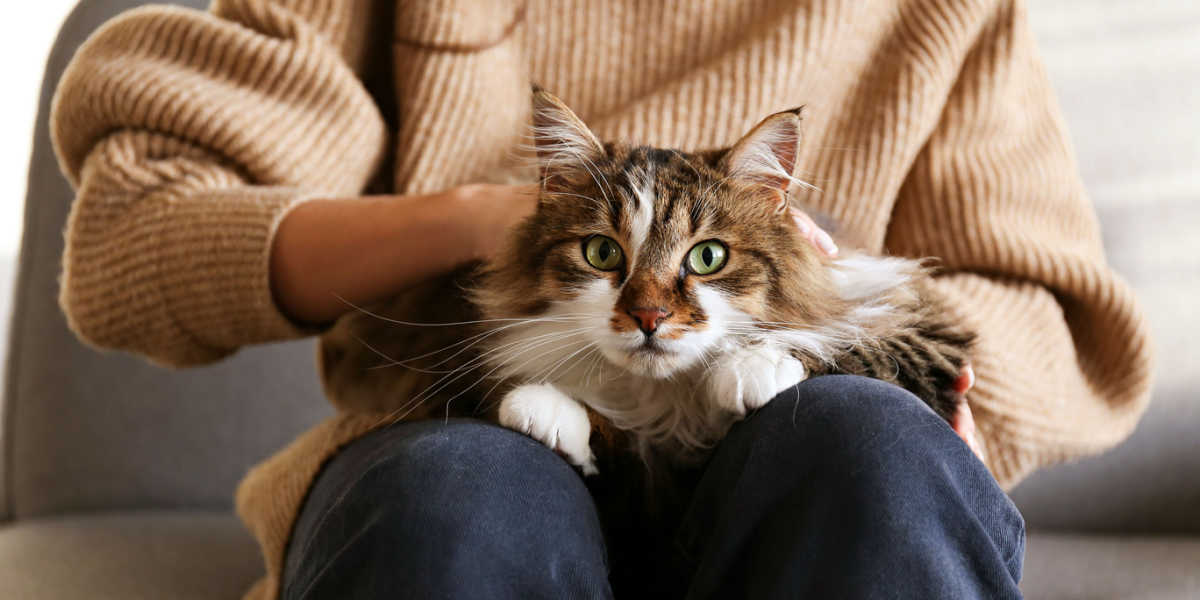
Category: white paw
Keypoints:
(551, 417)
(747, 379)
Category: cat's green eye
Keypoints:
(602, 252)
(707, 258)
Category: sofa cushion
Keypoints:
(1091, 567)
(128, 556)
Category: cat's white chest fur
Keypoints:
(690, 411)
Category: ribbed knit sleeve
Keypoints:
(1063, 361)
(188, 136)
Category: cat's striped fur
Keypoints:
(562, 350)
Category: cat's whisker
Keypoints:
(442, 383)
(449, 378)
(475, 339)
(471, 363)
(587, 374)
(543, 373)
(391, 361)
(505, 363)
(508, 360)
(598, 355)
(546, 375)
(452, 398)
(521, 346)
(576, 316)
(525, 344)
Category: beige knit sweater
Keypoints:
(931, 131)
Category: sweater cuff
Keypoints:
(215, 255)
(184, 280)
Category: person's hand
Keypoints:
(814, 234)
(963, 421)
(493, 209)
(331, 254)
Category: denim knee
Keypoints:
(453, 456)
(449, 509)
(882, 449)
(859, 427)
(837, 477)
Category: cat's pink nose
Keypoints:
(648, 318)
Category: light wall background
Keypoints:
(26, 34)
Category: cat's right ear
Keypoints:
(564, 144)
(764, 158)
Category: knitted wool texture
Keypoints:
(931, 130)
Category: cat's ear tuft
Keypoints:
(564, 144)
(766, 157)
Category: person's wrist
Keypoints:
(470, 225)
(286, 263)
(488, 212)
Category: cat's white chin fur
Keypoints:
(654, 366)
(748, 378)
(549, 416)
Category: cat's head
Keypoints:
(658, 258)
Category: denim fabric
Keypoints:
(842, 487)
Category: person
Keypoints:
(235, 167)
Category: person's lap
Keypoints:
(840, 487)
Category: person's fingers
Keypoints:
(803, 222)
(966, 380)
(813, 233)
(964, 421)
(826, 243)
(976, 447)
(964, 426)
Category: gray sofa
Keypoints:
(116, 477)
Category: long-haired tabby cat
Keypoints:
(655, 297)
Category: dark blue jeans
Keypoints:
(843, 487)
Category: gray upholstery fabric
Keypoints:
(85, 431)
(1090, 567)
(1150, 484)
(128, 556)
(1128, 77)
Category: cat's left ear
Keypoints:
(766, 156)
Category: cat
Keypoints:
(654, 298)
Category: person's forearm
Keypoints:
(366, 249)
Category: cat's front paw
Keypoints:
(551, 417)
(747, 379)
